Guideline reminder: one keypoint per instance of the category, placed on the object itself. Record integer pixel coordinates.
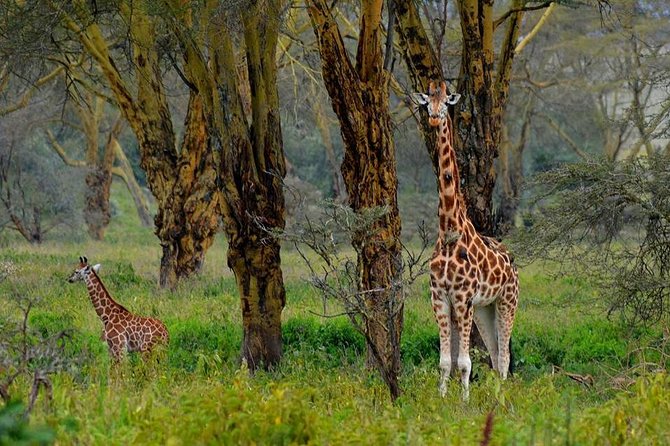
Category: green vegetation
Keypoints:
(321, 393)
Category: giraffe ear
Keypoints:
(453, 98)
(96, 268)
(420, 98)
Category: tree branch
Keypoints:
(506, 15)
(61, 152)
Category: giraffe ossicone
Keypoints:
(472, 276)
(122, 330)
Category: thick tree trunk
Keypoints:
(257, 268)
(189, 219)
(360, 100)
(251, 170)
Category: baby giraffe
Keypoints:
(122, 329)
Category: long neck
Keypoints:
(452, 208)
(103, 303)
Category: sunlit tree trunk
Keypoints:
(360, 99)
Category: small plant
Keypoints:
(14, 428)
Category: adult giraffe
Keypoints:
(471, 276)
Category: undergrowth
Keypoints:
(322, 393)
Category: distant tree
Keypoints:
(608, 220)
(34, 198)
(100, 154)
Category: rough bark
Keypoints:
(359, 96)
(250, 170)
(183, 181)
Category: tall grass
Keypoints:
(322, 393)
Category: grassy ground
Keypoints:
(321, 393)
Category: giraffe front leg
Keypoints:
(463, 316)
(442, 316)
(115, 346)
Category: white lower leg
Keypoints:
(464, 367)
(445, 371)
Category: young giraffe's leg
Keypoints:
(442, 310)
(485, 318)
(463, 316)
(505, 310)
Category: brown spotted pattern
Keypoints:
(123, 331)
(472, 277)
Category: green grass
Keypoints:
(321, 392)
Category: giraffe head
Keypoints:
(437, 100)
(82, 270)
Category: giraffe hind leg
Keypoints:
(486, 324)
(504, 322)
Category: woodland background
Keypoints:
(169, 140)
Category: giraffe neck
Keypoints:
(451, 209)
(103, 303)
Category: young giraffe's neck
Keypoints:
(452, 209)
(103, 303)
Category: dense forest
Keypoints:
(266, 184)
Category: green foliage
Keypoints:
(321, 393)
(618, 233)
(15, 430)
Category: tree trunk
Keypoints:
(257, 268)
(251, 169)
(511, 161)
(360, 100)
(188, 221)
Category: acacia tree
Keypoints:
(92, 121)
(99, 161)
(359, 93)
(183, 179)
(245, 138)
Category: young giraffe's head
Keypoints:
(82, 270)
(437, 100)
